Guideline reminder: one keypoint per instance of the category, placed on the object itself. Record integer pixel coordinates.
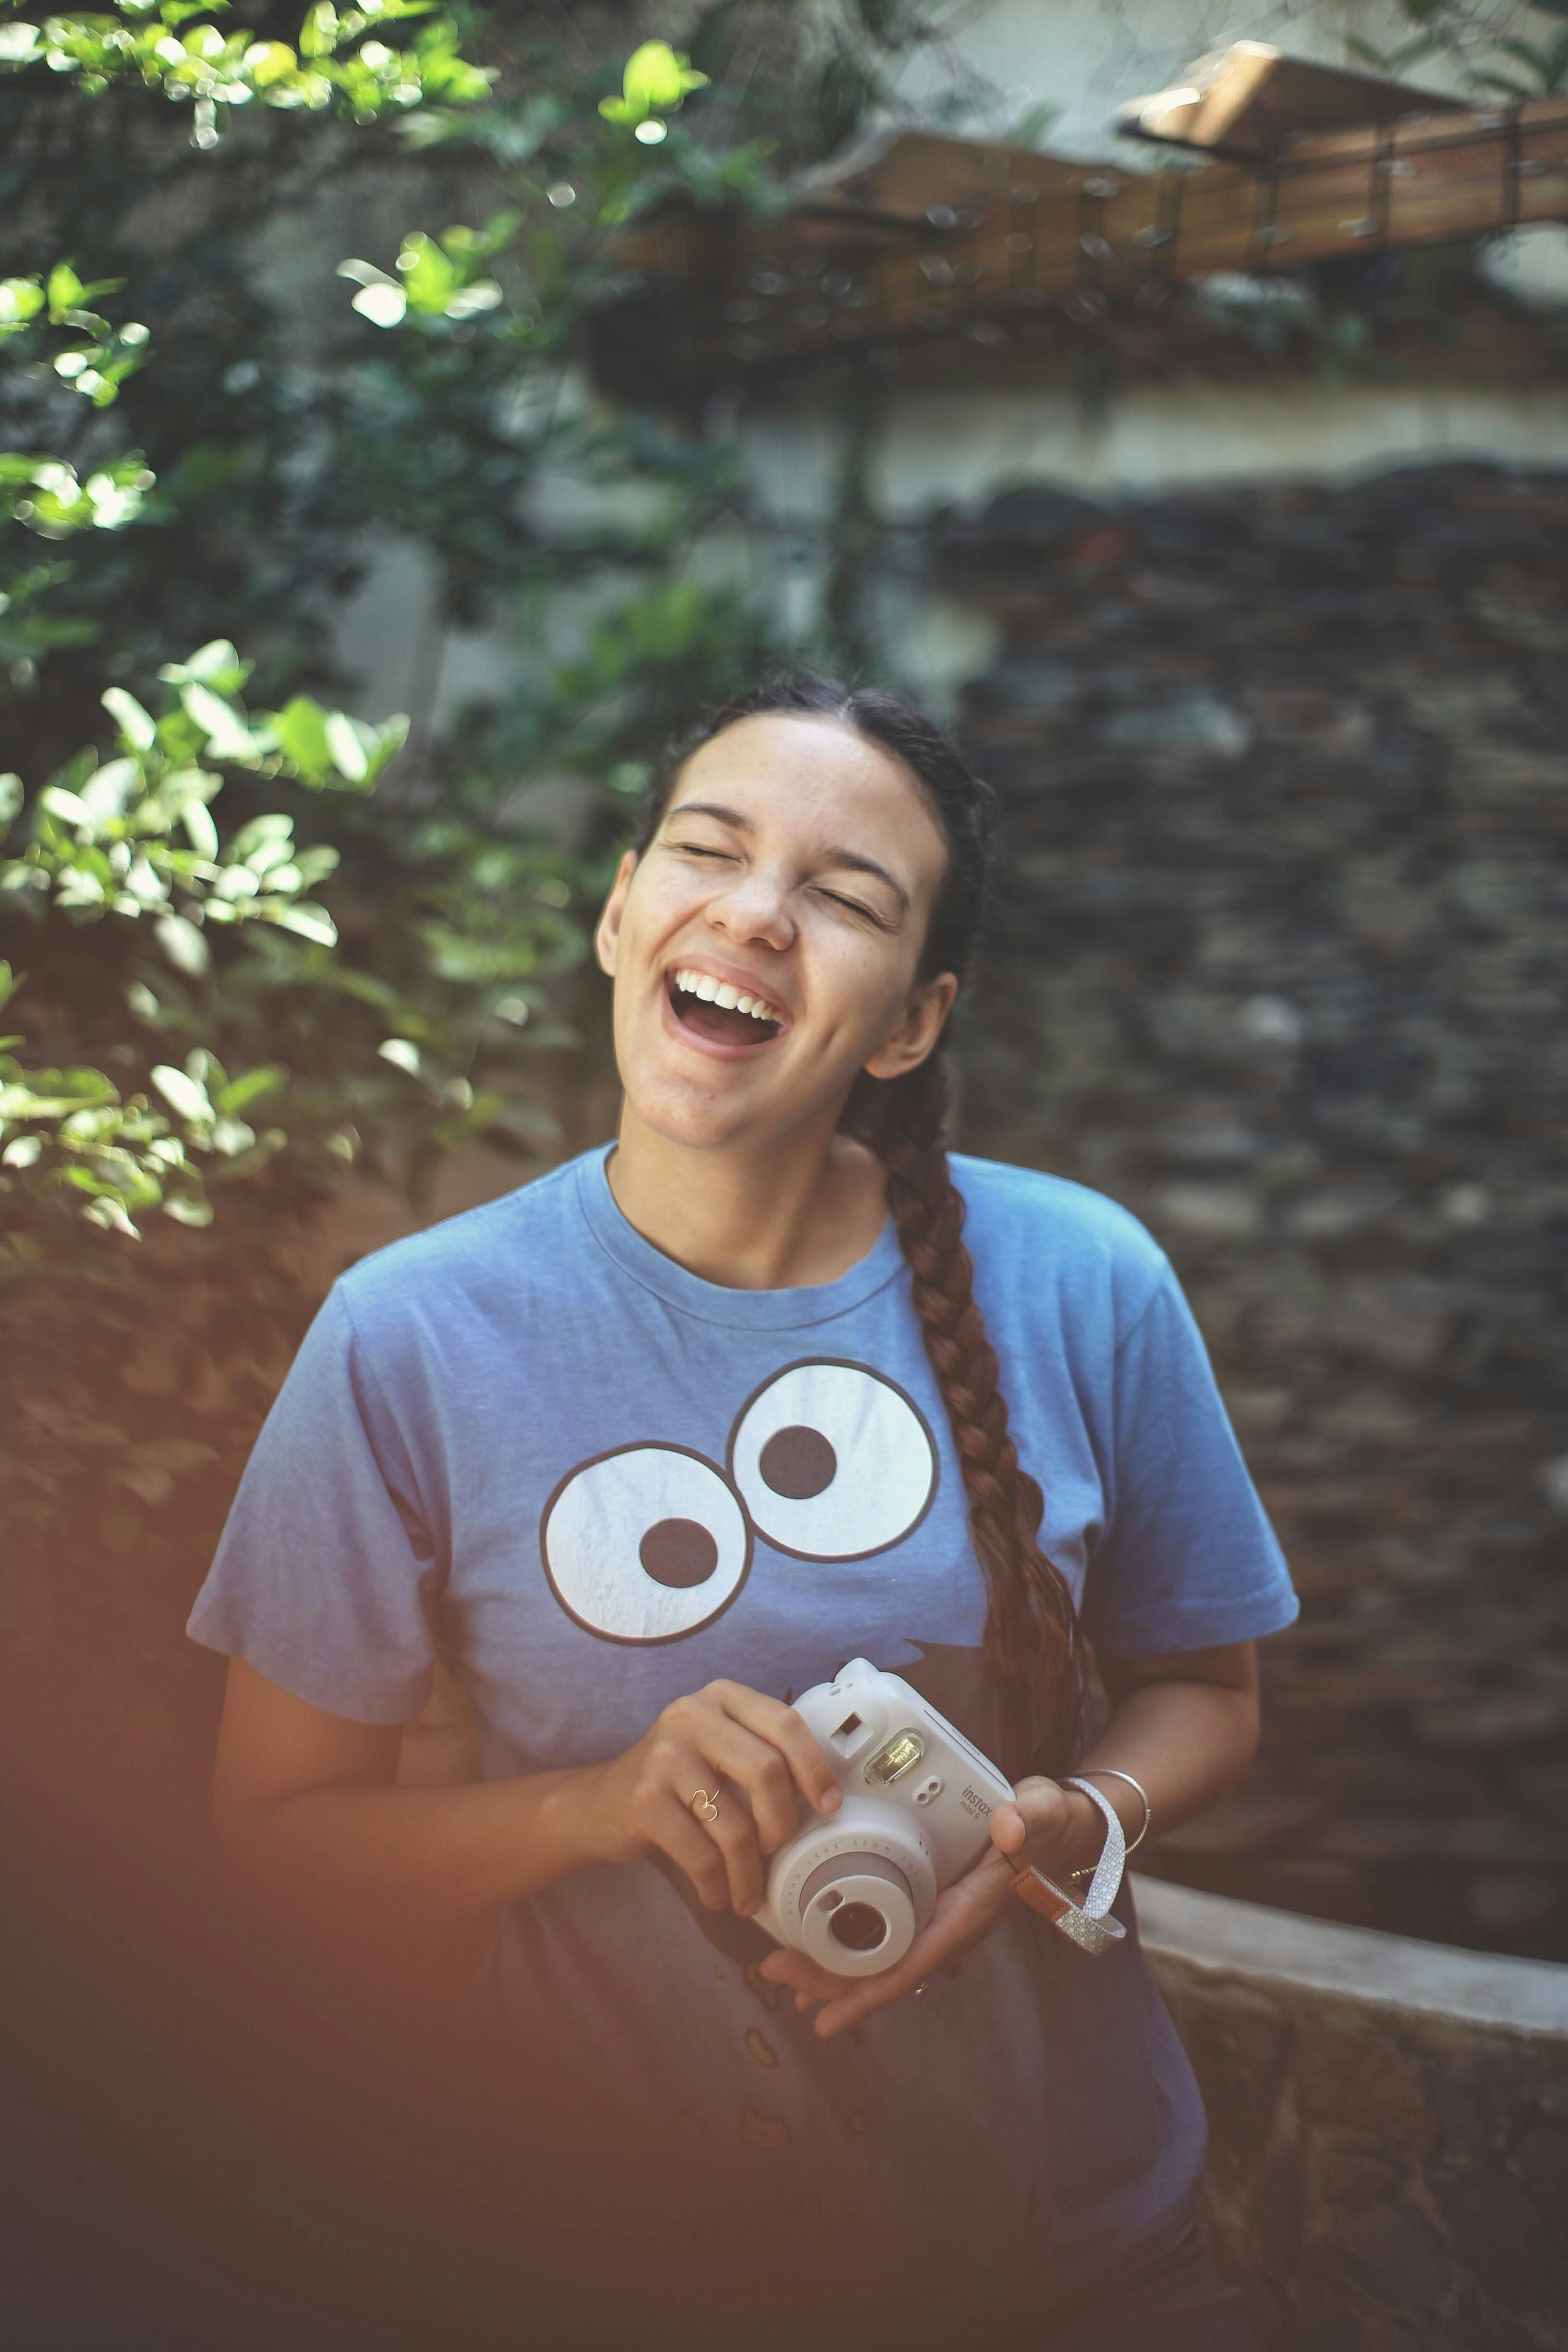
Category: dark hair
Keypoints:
(1032, 1645)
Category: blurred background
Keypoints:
(406, 417)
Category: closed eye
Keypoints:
(851, 905)
(855, 907)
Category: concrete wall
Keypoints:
(1388, 2168)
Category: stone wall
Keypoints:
(1388, 2168)
(1280, 964)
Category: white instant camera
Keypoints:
(854, 1888)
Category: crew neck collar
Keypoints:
(716, 1302)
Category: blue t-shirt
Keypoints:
(615, 1481)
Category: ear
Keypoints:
(916, 1029)
(610, 926)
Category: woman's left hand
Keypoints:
(1058, 1829)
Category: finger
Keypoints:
(735, 1833)
(757, 1766)
(676, 1833)
(806, 1978)
(783, 1728)
(963, 1917)
(1038, 1807)
(1008, 1829)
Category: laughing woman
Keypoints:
(663, 1438)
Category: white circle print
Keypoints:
(833, 1460)
(646, 1543)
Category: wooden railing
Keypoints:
(706, 301)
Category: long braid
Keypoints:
(1032, 1643)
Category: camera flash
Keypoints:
(898, 1756)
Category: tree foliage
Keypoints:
(281, 295)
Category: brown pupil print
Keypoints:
(798, 1463)
(679, 1553)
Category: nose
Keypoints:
(756, 906)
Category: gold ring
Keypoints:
(705, 1805)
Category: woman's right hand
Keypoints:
(722, 1738)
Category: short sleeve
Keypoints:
(326, 1574)
(1188, 1560)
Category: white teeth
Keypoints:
(713, 992)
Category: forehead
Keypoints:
(808, 775)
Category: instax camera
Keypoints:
(855, 1888)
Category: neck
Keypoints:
(799, 1211)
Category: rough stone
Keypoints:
(1211, 1212)
(1400, 2258)
(1540, 2161)
(1305, 1011)
(1499, 2233)
(1239, 2041)
(1360, 2082)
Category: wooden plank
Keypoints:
(1082, 237)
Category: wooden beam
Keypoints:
(710, 301)
(1246, 100)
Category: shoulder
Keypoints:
(522, 1242)
(1044, 1236)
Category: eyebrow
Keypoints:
(852, 861)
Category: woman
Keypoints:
(669, 1435)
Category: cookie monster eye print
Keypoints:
(645, 1544)
(828, 1460)
(833, 1460)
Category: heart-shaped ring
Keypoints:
(705, 1806)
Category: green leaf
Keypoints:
(310, 922)
(274, 826)
(21, 299)
(182, 943)
(302, 737)
(656, 78)
(186, 1209)
(65, 289)
(265, 1080)
(429, 278)
(109, 1213)
(70, 807)
(200, 830)
(319, 34)
(351, 755)
(384, 305)
(107, 794)
(184, 1097)
(227, 736)
(135, 723)
(215, 664)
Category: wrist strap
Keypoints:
(1089, 1924)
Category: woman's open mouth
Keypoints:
(718, 1014)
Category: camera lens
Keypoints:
(859, 1927)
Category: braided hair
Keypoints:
(1031, 1645)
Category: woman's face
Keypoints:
(795, 869)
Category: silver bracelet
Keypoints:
(1111, 1772)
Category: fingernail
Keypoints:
(832, 1798)
(746, 1909)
